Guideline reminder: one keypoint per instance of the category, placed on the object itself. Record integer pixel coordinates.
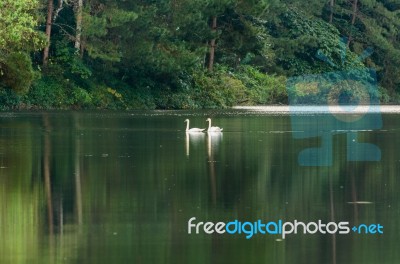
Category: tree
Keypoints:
(353, 19)
(297, 40)
(100, 28)
(373, 23)
(17, 26)
(212, 44)
(18, 37)
(79, 15)
(49, 22)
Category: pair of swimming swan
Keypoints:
(197, 130)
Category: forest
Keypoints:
(188, 54)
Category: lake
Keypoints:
(120, 187)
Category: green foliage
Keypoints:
(48, 93)
(153, 54)
(219, 89)
(17, 26)
(178, 100)
(261, 87)
(351, 87)
(104, 97)
(9, 100)
(138, 98)
(101, 30)
(18, 37)
(243, 40)
(16, 71)
(299, 39)
(245, 86)
(69, 63)
(51, 93)
(81, 97)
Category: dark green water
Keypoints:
(121, 187)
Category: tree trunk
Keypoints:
(355, 5)
(353, 21)
(58, 10)
(78, 36)
(46, 172)
(48, 31)
(212, 45)
(332, 4)
(78, 184)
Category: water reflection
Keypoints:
(193, 139)
(62, 200)
(77, 171)
(332, 217)
(214, 140)
(46, 174)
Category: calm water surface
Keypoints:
(110, 187)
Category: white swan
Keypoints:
(193, 130)
(213, 128)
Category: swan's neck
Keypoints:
(187, 125)
(209, 124)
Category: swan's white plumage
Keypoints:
(193, 130)
(213, 128)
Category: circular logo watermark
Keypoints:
(349, 100)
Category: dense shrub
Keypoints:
(218, 89)
(262, 88)
(9, 99)
(16, 71)
(46, 93)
